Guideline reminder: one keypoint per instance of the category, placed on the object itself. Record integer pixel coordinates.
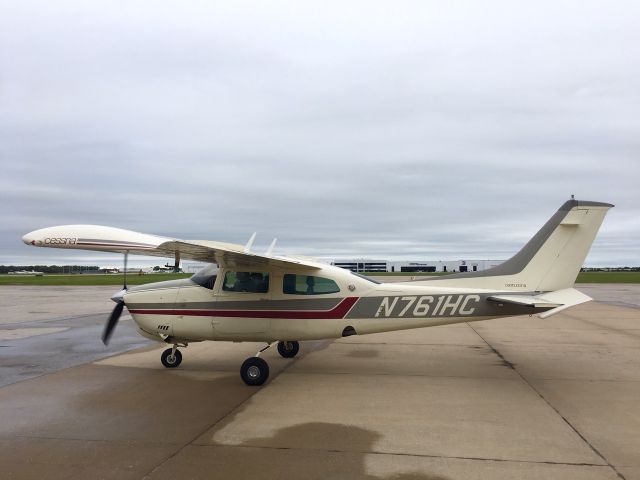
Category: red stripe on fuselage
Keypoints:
(339, 311)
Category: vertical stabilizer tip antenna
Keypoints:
(247, 247)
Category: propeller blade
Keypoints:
(111, 323)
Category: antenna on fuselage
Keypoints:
(271, 247)
(247, 247)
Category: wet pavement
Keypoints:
(510, 398)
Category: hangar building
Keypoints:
(368, 265)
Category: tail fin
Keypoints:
(550, 261)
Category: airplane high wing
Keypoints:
(118, 240)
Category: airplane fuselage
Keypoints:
(186, 311)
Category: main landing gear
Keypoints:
(255, 371)
(288, 349)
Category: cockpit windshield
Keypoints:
(207, 276)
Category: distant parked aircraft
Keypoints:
(27, 272)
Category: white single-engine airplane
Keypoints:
(242, 296)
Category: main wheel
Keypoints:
(169, 360)
(288, 349)
(254, 371)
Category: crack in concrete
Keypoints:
(401, 375)
(574, 428)
(416, 455)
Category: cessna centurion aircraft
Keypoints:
(243, 296)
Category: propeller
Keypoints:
(117, 311)
(111, 323)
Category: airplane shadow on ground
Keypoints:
(329, 450)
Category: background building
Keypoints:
(367, 265)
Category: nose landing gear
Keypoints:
(171, 357)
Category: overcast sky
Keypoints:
(395, 130)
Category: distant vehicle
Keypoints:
(27, 272)
(244, 296)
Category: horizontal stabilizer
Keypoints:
(556, 301)
(569, 297)
(527, 300)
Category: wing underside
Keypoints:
(110, 239)
(229, 255)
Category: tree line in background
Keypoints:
(71, 269)
(610, 269)
(50, 268)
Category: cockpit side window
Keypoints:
(206, 277)
(246, 282)
(308, 285)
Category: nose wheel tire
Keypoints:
(254, 371)
(288, 349)
(170, 359)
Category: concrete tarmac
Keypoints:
(501, 399)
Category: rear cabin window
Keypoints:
(308, 285)
(246, 282)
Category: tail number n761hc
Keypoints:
(428, 305)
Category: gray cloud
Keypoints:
(418, 130)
